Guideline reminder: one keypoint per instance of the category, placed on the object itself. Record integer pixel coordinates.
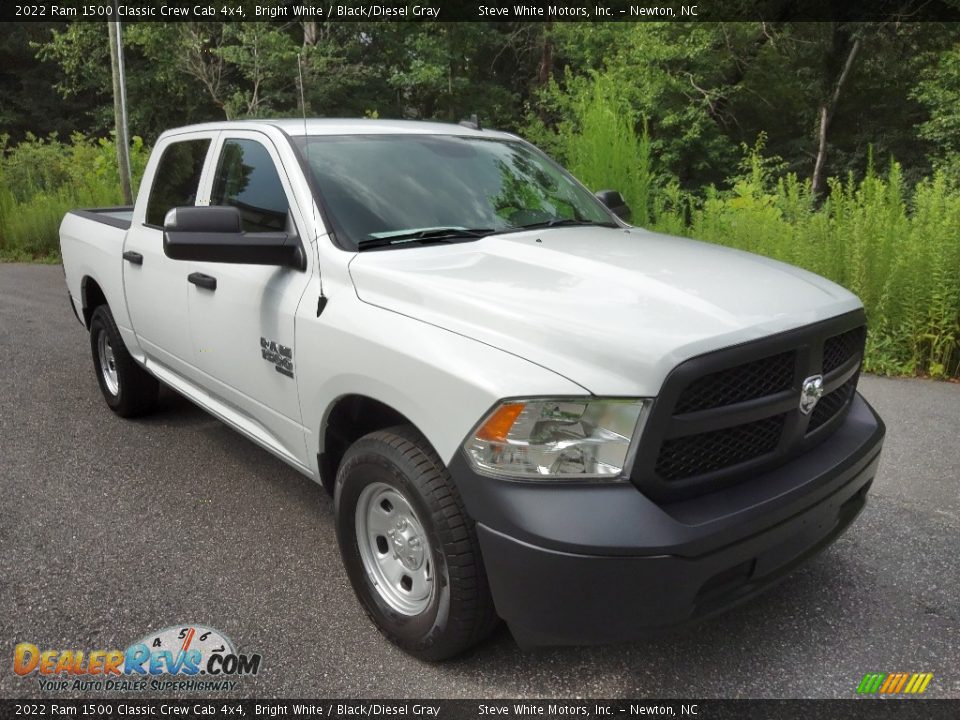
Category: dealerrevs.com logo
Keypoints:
(180, 657)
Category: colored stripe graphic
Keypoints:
(894, 683)
(922, 685)
(901, 681)
(889, 683)
(871, 683)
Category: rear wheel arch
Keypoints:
(91, 296)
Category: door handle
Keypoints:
(201, 280)
(134, 258)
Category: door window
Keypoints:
(177, 178)
(247, 179)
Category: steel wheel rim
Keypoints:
(108, 363)
(394, 548)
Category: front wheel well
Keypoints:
(91, 296)
(351, 417)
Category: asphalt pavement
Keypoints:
(112, 528)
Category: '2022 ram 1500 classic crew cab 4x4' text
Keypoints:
(524, 407)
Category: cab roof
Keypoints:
(347, 126)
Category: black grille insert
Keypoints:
(748, 381)
(831, 404)
(840, 348)
(708, 452)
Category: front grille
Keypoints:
(831, 404)
(707, 452)
(840, 348)
(726, 415)
(751, 380)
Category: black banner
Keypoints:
(215, 709)
(285, 11)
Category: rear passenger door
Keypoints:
(243, 330)
(156, 286)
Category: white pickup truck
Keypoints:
(523, 407)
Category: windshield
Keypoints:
(381, 188)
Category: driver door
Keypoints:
(242, 328)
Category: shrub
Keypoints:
(43, 178)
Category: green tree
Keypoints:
(939, 92)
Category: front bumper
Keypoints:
(584, 564)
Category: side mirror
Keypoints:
(215, 234)
(614, 200)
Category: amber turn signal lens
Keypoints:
(495, 429)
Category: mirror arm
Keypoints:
(298, 259)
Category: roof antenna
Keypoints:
(303, 100)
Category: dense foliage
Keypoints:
(40, 179)
(834, 146)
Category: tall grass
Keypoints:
(602, 145)
(897, 248)
(42, 178)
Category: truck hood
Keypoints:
(613, 310)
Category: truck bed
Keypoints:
(91, 245)
(118, 217)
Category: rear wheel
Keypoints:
(410, 550)
(128, 389)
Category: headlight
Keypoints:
(571, 439)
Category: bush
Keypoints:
(599, 145)
(41, 179)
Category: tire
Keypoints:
(398, 466)
(128, 389)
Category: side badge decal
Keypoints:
(280, 355)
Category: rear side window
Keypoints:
(247, 179)
(177, 179)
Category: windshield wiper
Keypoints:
(557, 222)
(561, 222)
(445, 234)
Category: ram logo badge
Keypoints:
(810, 393)
(280, 355)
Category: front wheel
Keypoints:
(409, 548)
(128, 389)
